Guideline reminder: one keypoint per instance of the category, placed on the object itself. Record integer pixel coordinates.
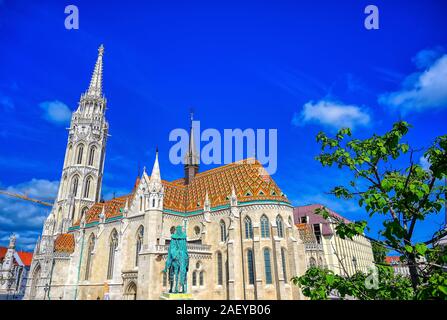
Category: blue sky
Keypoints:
(295, 66)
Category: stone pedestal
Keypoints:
(176, 296)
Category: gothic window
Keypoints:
(153, 203)
(268, 266)
(248, 228)
(194, 278)
(88, 182)
(219, 269)
(201, 278)
(83, 212)
(91, 247)
(284, 262)
(73, 210)
(197, 230)
(223, 231)
(265, 228)
(74, 186)
(141, 203)
(251, 273)
(312, 262)
(80, 153)
(140, 234)
(91, 157)
(112, 251)
(280, 226)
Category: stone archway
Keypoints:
(131, 291)
(35, 282)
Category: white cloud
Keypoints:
(25, 218)
(425, 164)
(55, 111)
(6, 103)
(332, 114)
(421, 90)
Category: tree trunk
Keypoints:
(412, 265)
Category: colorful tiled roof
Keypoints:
(249, 179)
(3, 253)
(392, 260)
(64, 243)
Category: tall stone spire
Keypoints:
(155, 175)
(95, 88)
(192, 158)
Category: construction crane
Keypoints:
(26, 198)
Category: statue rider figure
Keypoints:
(177, 262)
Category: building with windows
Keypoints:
(14, 267)
(242, 240)
(399, 267)
(343, 256)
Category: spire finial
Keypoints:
(95, 88)
(155, 175)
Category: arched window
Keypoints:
(250, 265)
(312, 262)
(88, 182)
(280, 226)
(83, 212)
(268, 266)
(223, 231)
(112, 250)
(91, 157)
(248, 228)
(284, 263)
(265, 227)
(80, 153)
(91, 247)
(141, 203)
(201, 278)
(153, 203)
(194, 278)
(165, 279)
(140, 234)
(219, 269)
(74, 186)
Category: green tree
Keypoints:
(379, 252)
(404, 197)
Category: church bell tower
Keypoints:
(82, 173)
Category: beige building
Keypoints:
(343, 256)
(242, 240)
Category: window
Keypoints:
(140, 234)
(248, 228)
(83, 212)
(219, 269)
(280, 226)
(141, 203)
(312, 262)
(201, 280)
(197, 230)
(153, 203)
(265, 228)
(87, 187)
(80, 152)
(194, 278)
(317, 232)
(91, 247)
(91, 157)
(303, 219)
(112, 250)
(283, 262)
(268, 267)
(74, 186)
(251, 274)
(223, 231)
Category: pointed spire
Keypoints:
(95, 88)
(192, 157)
(155, 175)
